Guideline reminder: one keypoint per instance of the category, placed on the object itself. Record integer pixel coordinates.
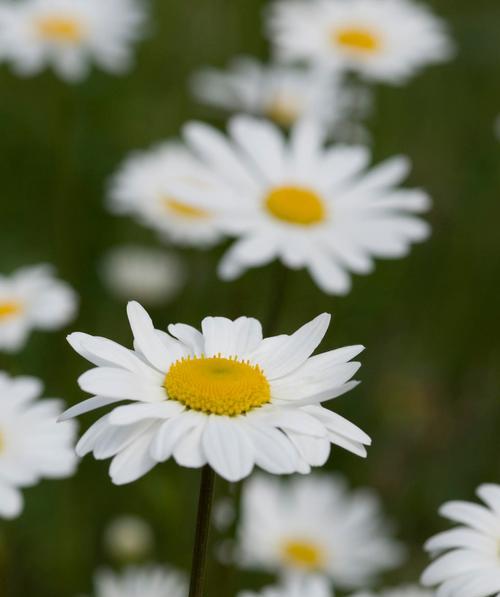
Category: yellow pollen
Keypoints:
(183, 209)
(217, 385)
(304, 554)
(296, 205)
(357, 39)
(282, 110)
(9, 309)
(64, 29)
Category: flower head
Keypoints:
(146, 581)
(468, 557)
(32, 445)
(223, 396)
(306, 205)
(69, 34)
(383, 40)
(314, 525)
(141, 188)
(32, 298)
(128, 538)
(312, 586)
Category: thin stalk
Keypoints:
(199, 565)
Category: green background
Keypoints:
(430, 390)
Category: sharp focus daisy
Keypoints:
(467, 557)
(32, 444)
(141, 189)
(309, 206)
(283, 94)
(149, 275)
(314, 586)
(145, 581)
(315, 525)
(70, 34)
(32, 298)
(223, 396)
(383, 40)
(403, 591)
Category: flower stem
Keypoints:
(199, 564)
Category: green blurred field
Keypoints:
(430, 395)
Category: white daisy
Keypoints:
(306, 205)
(283, 94)
(468, 556)
(403, 591)
(33, 298)
(149, 275)
(68, 34)
(224, 396)
(146, 581)
(32, 445)
(128, 538)
(313, 586)
(141, 188)
(315, 525)
(383, 40)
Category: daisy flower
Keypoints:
(32, 445)
(382, 40)
(306, 205)
(314, 586)
(33, 298)
(467, 560)
(223, 396)
(282, 93)
(69, 34)
(149, 275)
(146, 581)
(128, 538)
(315, 525)
(141, 189)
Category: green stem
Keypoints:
(199, 565)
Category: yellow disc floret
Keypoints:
(296, 205)
(217, 385)
(357, 39)
(9, 309)
(303, 554)
(184, 210)
(59, 28)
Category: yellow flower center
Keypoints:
(63, 29)
(9, 309)
(282, 110)
(357, 39)
(304, 554)
(184, 210)
(296, 205)
(217, 385)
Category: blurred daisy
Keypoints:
(147, 581)
(33, 298)
(141, 188)
(149, 275)
(32, 445)
(315, 525)
(468, 556)
(314, 586)
(306, 205)
(403, 591)
(283, 94)
(128, 538)
(383, 40)
(223, 396)
(69, 34)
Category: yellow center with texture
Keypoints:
(283, 111)
(9, 309)
(357, 39)
(296, 205)
(63, 29)
(217, 385)
(303, 554)
(184, 210)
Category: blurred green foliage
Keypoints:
(430, 393)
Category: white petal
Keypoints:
(456, 562)
(189, 336)
(173, 431)
(11, 501)
(473, 515)
(118, 383)
(461, 537)
(273, 451)
(133, 462)
(131, 413)
(231, 338)
(87, 406)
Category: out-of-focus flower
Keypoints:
(224, 396)
(32, 445)
(306, 205)
(141, 188)
(314, 586)
(128, 538)
(69, 34)
(383, 40)
(149, 275)
(33, 298)
(283, 94)
(403, 591)
(146, 581)
(224, 513)
(315, 525)
(468, 560)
